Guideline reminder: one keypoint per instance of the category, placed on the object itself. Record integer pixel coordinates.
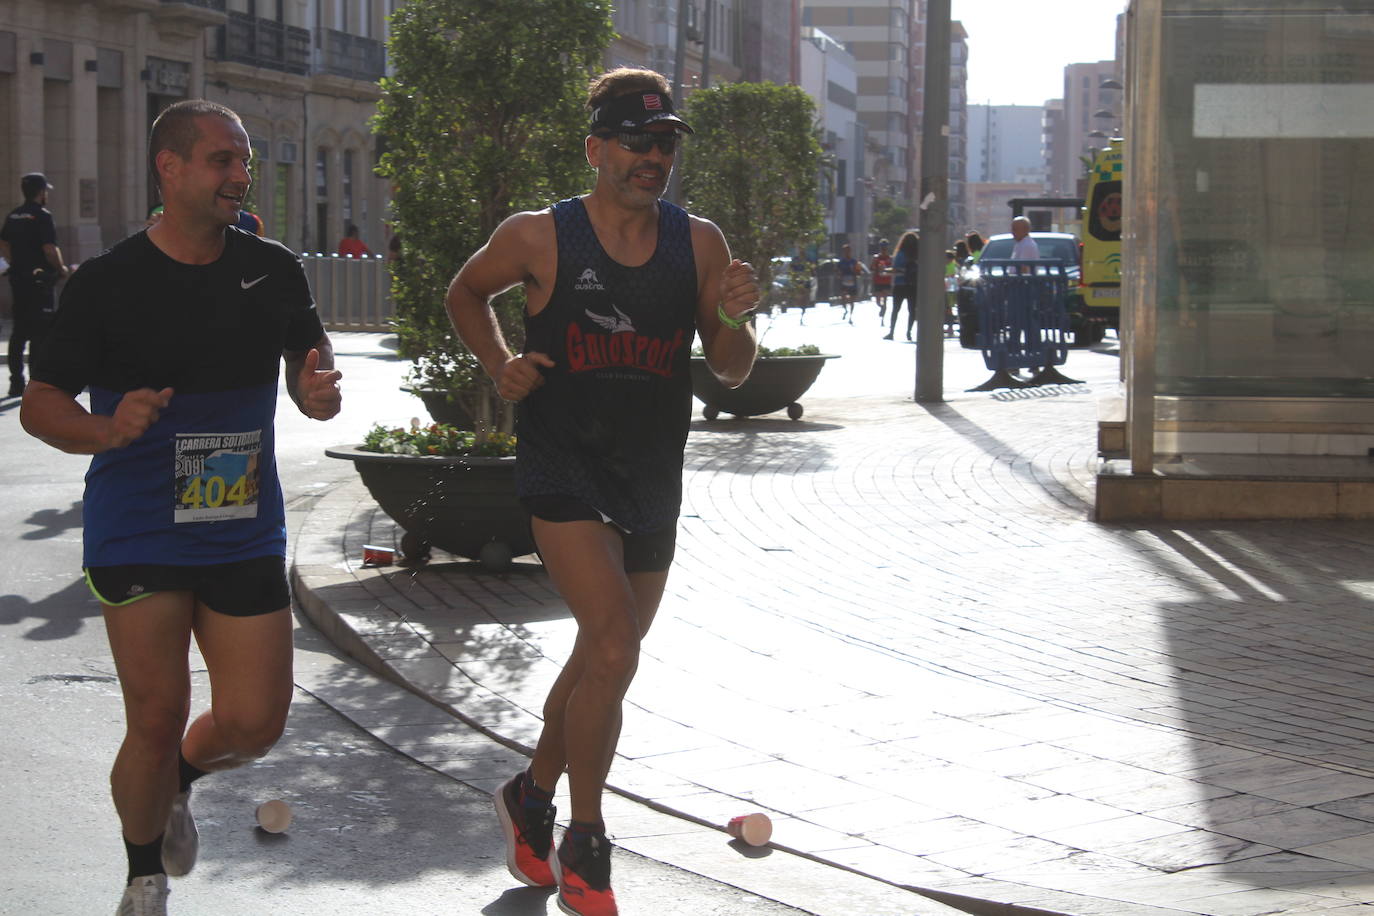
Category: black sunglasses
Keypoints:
(641, 142)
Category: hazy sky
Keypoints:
(1018, 49)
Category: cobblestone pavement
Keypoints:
(895, 628)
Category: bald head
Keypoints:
(1020, 228)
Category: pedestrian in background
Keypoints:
(881, 269)
(974, 240)
(847, 269)
(28, 241)
(351, 246)
(904, 270)
(179, 332)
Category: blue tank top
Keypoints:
(609, 424)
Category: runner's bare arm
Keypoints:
(519, 251)
(53, 415)
(725, 285)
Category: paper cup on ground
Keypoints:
(274, 816)
(378, 556)
(755, 829)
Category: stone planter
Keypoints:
(775, 383)
(466, 506)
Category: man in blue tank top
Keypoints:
(617, 284)
(178, 333)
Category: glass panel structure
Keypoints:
(1249, 246)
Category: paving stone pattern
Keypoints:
(895, 628)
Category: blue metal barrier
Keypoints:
(1023, 321)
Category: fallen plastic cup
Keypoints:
(378, 556)
(274, 816)
(755, 829)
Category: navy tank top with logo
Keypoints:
(609, 424)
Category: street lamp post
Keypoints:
(930, 310)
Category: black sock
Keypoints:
(581, 831)
(144, 858)
(531, 796)
(186, 773)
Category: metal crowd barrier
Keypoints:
(1023, 321)
(351, 294)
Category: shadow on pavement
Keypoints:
(59, 615)
(520, 901)
(1017, 461)
(53, 522)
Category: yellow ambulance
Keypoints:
(1100, 279)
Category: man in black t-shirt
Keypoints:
(178, 334)
(28, 241)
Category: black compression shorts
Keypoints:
(246, 588)
(647, 551)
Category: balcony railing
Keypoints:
(262, 43)
(216, 5)
(352, 56)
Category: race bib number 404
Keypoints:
(217, 476)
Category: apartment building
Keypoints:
(958, 129)
(82, 82)
(1092, 114)
(828, 76)
(1005, 143)
(882, 36)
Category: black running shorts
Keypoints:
(648, 551)
(246, 588)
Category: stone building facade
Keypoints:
(82, 81)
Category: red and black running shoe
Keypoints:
(583, 869)
(529, 835)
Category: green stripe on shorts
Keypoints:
(103, 600)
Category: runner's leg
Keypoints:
(585, 560)
(249, 663)
(149, 640)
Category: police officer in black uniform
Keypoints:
(28, 241)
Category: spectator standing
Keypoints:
(351, 246)
(904, 268)
(28, 241)
(250, 222)
(953, 258)
(974, 240)
(1025, 248)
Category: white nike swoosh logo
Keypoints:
(246, 285)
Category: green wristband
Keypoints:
(733, 324)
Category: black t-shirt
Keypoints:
(200, 485)
(27, 229)
(132, 317)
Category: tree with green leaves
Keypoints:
(483, 116)
(890, 219)
(753, 168)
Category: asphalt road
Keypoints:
(374, 832)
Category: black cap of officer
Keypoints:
(34, 182)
